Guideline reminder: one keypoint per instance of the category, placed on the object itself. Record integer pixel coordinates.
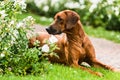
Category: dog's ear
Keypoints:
(72, 19)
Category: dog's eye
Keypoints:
(59, 19)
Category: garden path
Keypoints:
(107, 51)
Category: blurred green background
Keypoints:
(96, 13)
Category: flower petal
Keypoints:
(53, 39)
(45, 48)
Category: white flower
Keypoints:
(12, 41)
(92, 7)
(72, 5)
(5, 48)
(15, 33)
(39, 3)
(2, 55)
(110, 2)
(46, 8)
(53, 39)
(45, 48)
(2, 3)
(30, 18)
(21, 3)
(12, 22)
(3, 14)
(20, 24)
(53, 2)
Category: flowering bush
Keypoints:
(15, 56)
(97, 13)
(46, 7)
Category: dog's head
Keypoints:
(63, 21)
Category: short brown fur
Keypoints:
(75, 46)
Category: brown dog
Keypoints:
(75, 46)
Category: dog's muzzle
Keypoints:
(50, 30)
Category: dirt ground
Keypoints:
(107, 51)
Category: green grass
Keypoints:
(60, 72)
(38, 19)
(102, 33)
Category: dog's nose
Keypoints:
(50, 30)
